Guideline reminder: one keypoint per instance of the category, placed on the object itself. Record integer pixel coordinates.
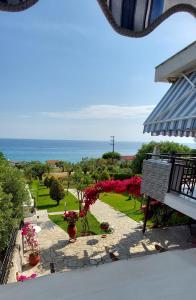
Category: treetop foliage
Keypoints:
(13, 194)
(164, 147)
(111, 155)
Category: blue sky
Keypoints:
(65, 74)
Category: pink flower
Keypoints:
(24, 278)
(131, 186)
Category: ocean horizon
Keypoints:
(69, 150)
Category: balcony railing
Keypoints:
(183, 173)
(7, 262)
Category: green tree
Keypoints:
(35, 169)
(7, 220)
(111, 155)
(60, 164)
(2, 156)
(81, 182)
(13, 194)
(27, 169)
(50, 181)
(164, 147)
(85, 165)
(95, 176)
(104, 175)
(69, 168)
(47, 182)
(57, 191)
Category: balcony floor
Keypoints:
(181, 203)
(170, 275)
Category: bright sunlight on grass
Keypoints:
(45, 202)
(122, 203)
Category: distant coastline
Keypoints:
(70, 150)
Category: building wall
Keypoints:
(155, 178)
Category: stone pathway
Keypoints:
(125, 242)
(56, 213)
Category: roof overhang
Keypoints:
(182, 62)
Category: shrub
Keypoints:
(165, 148)
(47, 182)
(57, 191)
(50, 181)
(111, 155)
(121, 176)
(104, 175)
(13, 195)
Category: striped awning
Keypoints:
(16, 5)
(175, 115)
(137, 18)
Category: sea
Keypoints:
(69, 150)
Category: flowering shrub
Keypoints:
(24, 278)
(130, 186)
(29, 233)
(71, 216)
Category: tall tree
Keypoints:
(57, 191)
(164, 147)
(13, 194)
(111, 155)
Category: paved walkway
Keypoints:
(126, 241)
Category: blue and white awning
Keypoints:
(137, 18)
(175, 115)
(16, 5)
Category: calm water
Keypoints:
(27, 150)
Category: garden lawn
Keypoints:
(45, 202)
(34, 188)
(94, 225)
(122, 203)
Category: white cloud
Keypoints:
(103, 112)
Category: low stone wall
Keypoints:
(155, 178)
(17, 259)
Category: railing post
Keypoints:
(172, 161)
(146, 214)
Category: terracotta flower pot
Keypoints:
(72, 231)
(34, 259)
(104, 226)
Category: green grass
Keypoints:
(122, 203)
(34, 188)
(94, 225)
(45, 202)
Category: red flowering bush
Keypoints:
(71, 217)
(130, 186)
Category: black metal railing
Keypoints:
(183, 173)
(7, 261)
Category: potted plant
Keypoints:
(71, 217)
(29, 233)
(105, 226)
